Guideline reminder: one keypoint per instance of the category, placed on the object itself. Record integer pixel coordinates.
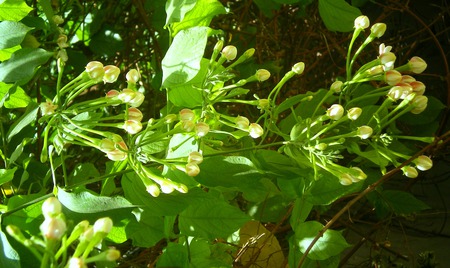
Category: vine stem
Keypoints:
(369, 189)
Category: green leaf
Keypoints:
(300, 212)
(7, 175)
(82, 201)
(403, 202)
(177, 9)
(20, 67)
(106, 41)
(200, 15)
(146, 230)
(13, 96)
(8, 255)
(5, 54)
(82, 172)
(28, 218)
(330, 244)
(211, 219)
(26, 119)
(182, 61)
(338, 15)
(14, 10)
(174, 255)
(12, 33)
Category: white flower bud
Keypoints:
(103, 225)
(410, 172)
(298, 68)
(132, 126)
(132, 76)
(255, 130)
(262, 75)
(76, 263)
(192, 169)
(195, 157)
(187, 115)
(53, 228)
(423, 162)
(419, 103)
(354, 113)
(336, 86)
(201, 129)
(95, 70)
(135, 114)
(364, 132)
(51, 207)
(417, 65)
(345, 179)
(242, 122)
(229, 52)
(378, 29)
(335, 112)
(111, 74)
(362, 22)
(393, 77)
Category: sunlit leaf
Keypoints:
(13, 96)
(7, 175)
(8, 255)
(177, 9)
(14, 10)
(27, 118)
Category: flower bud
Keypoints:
(170, 118)
(262, 75)
(417, 65)
(345, 179)
(407, 79)
(255, 130)
(112, 94)
(242, 122)
(76, 263)
(107, 145)
(229, 52)
(321, 146)
(298, 68)
(388, 60)
(132, 76)
(263, 104)
(111, 73)
(181, 188)
(87, 235)
(187, 115)
(132, 126)
(187, 125)
(335, 112)
(47, 107)
(116, 155)
(364, 132)
(359, 175)
(419, 103)
(379, 69)
(57, 19)
(336, 86)
(192, 169)
(423, 163)
(103, 225)
(51, 207)
(410, 172)
(135, 114)
(62, 41)
(378, 29)
(218, 46)
(393, 77)
(137, 100)
(417, 87)
(153, 190)
(53, 228)
(354, 113)
(112, 254)
(201, 129)
(127, 95)
(166, 187)
(95, 70)
(400, 91)
(195, 157)
(362, 22)
(249, 53)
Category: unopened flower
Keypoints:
(170, 118)
(362, 22)
(132, 76)
(335, 112)
(345, 179)
(364, 132)
(219, 45)
(111, 73)
(423, 163)
(57, 19)
(242, 122)
(112, 94)
(354, 113)
(132, 126)
(263, 104)
(187, 125)
(181, 188)
(166, 187)
(410, 172)
(107, 145)
(75, 262)
(393, 77)
(62, 41)
(407, 79)
(262, 75)
(336, 86)
(87, 235)
(229, 52)
(127, 95)
(400, 91)
(51, 207)
(388, 60)
(417, 65)
(298, 68)
(119, 153)
(201, 129)
(95, 70)
(417, 87)
(48, 107)
(192, 169)
(103, 225)
(53, 228)
(137, 100)
(378, 30)
(187, 115)
(376, 70)
(112, 254)
(359, 175)
(321, 146)
(255, 130)
(153, 190)
(135, 114)
(195, 157)
(419, 103)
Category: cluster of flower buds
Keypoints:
(194, 159)
(253, 129)
(189, 124)
(353, 175)
(422, 163)
(54, 225)
(115, 148)
(98, 72)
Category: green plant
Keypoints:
(197, 175)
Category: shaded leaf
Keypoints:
(8, 255)
(338, 15)
(146, 230)
(12, 33)
(403, 202)
(26, 119)
(7, 175)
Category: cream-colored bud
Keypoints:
(336, 86)
(132, 76)
(417, 65)
(378, 30)
(103, 225)
(423, 162)
(298, 68)
(132, 126)
(51, 207)
(242, 122)
(135, 114)
(335, 112)
(262, 75)
(354, 113)
(195, 157)
(201, 129)
(364, 132)
(410, 172)
(187, 115)
(229, 52)
(362, 22)
(53, 228)
(111, 74)
(192, 169)
(255, 130)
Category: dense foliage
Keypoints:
(169, 127)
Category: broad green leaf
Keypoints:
(300, 212)
(276, 163)
(174, 255)
(182, 61)
(330, 244)
(433, 110)
(338, 15)
(5, 54)
(106, 41)
(146, 230)
(82, 201)
(82, 172)
(8, 255)
(13, 96)
(295, 255)
(211, 219)
(29, 217)
(200, 15)
(403, 202)
(190, 94)
(12, 33)
(20, 67)
(177, 9)
(26, 119)
(7, 175)
(14, 10)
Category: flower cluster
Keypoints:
(54, 231)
